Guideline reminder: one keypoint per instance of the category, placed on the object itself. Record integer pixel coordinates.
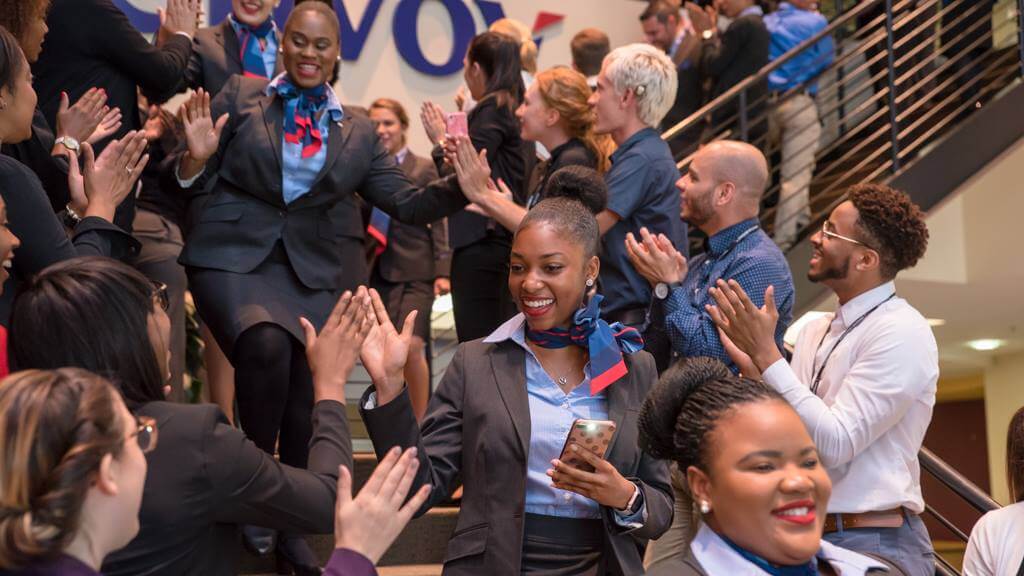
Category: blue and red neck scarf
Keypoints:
(300, 109)
(253, 42)
(605, 343)
(808, 569)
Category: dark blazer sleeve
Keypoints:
(438, 442)
(251, 487)
(345, 562)
(157, 70)
(425, 173)
(224, 103)
(717, 57)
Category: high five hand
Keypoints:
(385, 351)
(202, 134)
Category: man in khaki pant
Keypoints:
(793, 121)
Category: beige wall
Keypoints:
(1004, 395)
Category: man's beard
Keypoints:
(701, 212)
(831, 272)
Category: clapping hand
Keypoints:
(472, 170)
(432, 117)
(333, 352)
(370, 522)
(104, 182)
(180, 16)
(202, 134)
(655, 258)
(385, 351)
(81, 120)
(605, 485)
(749, 328)
(109, 124)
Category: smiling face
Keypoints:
(609, 106)
(660, 34)
(8, 244)
(767, 490)
(17, 105)
(547, 275)
(389, 129)
(832, 258)
(32, 37)
(129, 472)
(253, 12)
(697, 192)
(535, 117)
(310, 48)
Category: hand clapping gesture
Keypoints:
(333, 352)
(432, 117)
(89, 119)
(604, 485)
(202, 134)
(385, 351)
(655, 258)
(180, 16)
(749, 330)
(104, 182)
(370, 522)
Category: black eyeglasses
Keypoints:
(146, 433)
(160, 295)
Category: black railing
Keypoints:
(905, 73)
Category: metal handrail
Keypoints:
(956, 482)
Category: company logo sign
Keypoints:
(403, 27)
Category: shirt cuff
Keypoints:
(780, 376)
(347, 562)
(185, 34)
(633, 520)
(183, 182)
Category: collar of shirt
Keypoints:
(721, 241)
(717, 557)
(333, 106)
(675, 43)
(632, 141)
(512, 329)
(754, 10)
(857, 307)
(401, 154)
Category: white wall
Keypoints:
(380, 71)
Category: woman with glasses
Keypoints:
(72, 469)
(206, 477)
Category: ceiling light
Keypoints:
(794, 329)
(985, 344)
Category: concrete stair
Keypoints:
(418, 551)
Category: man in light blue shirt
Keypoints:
(793, 122)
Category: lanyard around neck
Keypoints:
(733, 245)
(850, 328)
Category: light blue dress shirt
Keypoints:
(789, 27)
(298, 174)
(552, 413)
(269, 51)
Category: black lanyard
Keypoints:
(857, 322)
(706, 265)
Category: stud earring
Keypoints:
(705, 508)
(590, 282)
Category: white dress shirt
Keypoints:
(996, 547)
(717, 557)
(874, 402)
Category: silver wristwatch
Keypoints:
(663, 289)
(69, 143)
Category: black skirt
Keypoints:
(230, 303)
(555, 546)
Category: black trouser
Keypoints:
(274, 389)
(480, 293)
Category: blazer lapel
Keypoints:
(273, 119)
(618, 398)
(509, 368)
(337, 135)
(229, 40)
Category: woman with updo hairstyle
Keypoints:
(753, 471)
(71, 472)
(503, 412)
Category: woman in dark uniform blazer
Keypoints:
(502, 413)
(480, 245)
(279, 234)
(412, 263)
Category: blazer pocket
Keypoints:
(228, 212)
(467, 542)
(343, 226)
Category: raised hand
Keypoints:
(202, 134)
(333, 352)
(179, 16)
(104, 182)
(109, 124)
(79, 121)
(605, 485)
(749, 328)
(433, 122)
(385, 351)
(369, 523)
(655, 258)
(472, 170)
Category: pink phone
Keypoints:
(593, 435)
(456, 124)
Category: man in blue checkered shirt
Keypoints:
(720, 195)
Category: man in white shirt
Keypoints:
(862, 379)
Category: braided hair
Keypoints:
(686, 406)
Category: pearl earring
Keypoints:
(705, 508)
(590, 282)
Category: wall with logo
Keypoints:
(412, 50)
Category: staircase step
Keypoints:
(422, 543)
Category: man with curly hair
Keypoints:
(862, 379)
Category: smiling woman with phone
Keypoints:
(754, 472)
(502, 413)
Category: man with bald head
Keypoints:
(720, 195)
